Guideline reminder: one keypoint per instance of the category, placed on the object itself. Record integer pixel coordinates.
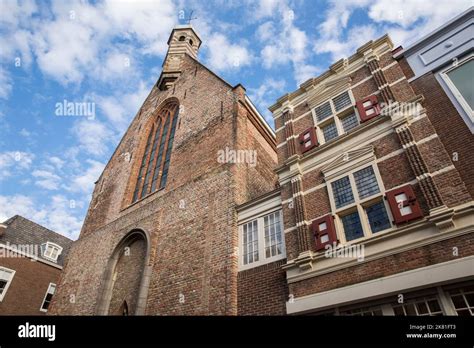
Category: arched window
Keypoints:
(154, 166)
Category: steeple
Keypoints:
(183, 40)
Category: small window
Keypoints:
(51, 251)
(357, 201)
(463, 301)
(378, 217)
(262, 240)
(352, 226)
(349, 122)
(273, 240)
(323, 111)
(342, 101)
(182, 38)
(6, 277)
(462, 77)
(342, 192)
(250, 242)
(330, 131)
(48, 297)
(190, 42)
(422, 306)
(366, 182)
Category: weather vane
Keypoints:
(190, 18)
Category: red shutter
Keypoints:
(368, 108)
(403, 204)
(324, 231)
(307, 140)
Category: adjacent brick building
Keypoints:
(375, 157)
(360, 202)
(31, 260)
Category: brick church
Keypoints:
(359, 203)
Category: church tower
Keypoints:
(182, 41)
(161, 236)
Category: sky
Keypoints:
(108, 54)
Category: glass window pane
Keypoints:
(341, 101)
(323, 111)
(366, 182)
(458, 301)
(349, 122)
(462, 78)
(378, 218)
(250, 242)
(273, 244)
(330, 131)
(352, 226)
(342, 192)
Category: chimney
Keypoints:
(183, 40)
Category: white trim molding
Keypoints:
(440, 273)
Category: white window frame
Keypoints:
(359, 205)
(45, 295)
(453, 93)
(262, 260)
(335, 117)
(52, 245)
(5, 290)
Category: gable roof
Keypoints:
(21, 231)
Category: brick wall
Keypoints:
(382, 267)
(450, 127)
(29, 285)
(263, 290)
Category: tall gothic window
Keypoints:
(153, 171)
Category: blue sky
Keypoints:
(109, 54)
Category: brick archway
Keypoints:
(127, 276)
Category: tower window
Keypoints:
(182, 38)
(155, 162)
(190, 42)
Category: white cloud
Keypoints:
(85, 182)
(122, 107)
(46, 179)
(404, 20)
(25, 133)
(288, 46)
(266, 94)
(304, 72)
(14, 161)
(71, 40)
(58, 163)
(57, 215)
(93, 136)
(5, 83)
(224, 55)
(147, 21)
(66, 58)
